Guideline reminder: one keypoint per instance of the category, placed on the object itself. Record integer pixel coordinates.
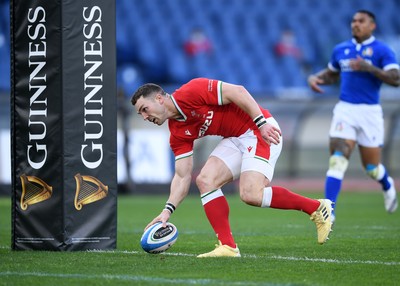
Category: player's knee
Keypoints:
(374, 171)
(247, 195)
(202, 182)
(337, 165)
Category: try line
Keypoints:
(272, 257)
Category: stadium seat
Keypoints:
(129, 78)
(4, 47)
(150, 35)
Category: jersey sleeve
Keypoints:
(333, 64)
(180, 147)
(201, 91)
(389, 59)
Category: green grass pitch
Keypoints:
(278, 248)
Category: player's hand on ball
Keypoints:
(162, 217)
(157, 239)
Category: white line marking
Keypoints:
(253, 256)
(273, 257)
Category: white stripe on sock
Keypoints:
(335, 174)
(211, 195)
(381, 172)
(267, 197)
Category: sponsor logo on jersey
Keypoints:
(206, 124)
(187, 132)
(345, 64)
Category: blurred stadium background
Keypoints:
(150, 39)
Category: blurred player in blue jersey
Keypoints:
(361, 64)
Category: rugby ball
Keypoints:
(157, 239)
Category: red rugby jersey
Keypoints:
(200, 103)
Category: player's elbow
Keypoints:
(395, 83)
(394, 78)
(235, 89)
(241, 89)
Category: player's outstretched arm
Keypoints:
(179, 189)
(324, 77)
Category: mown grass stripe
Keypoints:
(135, 278)
(338, 261)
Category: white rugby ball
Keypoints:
(157, 239)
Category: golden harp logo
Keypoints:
(88, 190)
(34, 190)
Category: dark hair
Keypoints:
(369, 13)
(146, 90)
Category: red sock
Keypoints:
(217, 211)
(284, 199)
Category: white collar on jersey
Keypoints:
(184, 117)
(366, 42)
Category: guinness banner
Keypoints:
(63, 125)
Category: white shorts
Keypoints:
(239, 153)
(362, 123)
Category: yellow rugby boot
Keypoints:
(222, 251)
(322, 218)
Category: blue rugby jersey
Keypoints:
(358, 86)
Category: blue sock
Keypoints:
(385, 182)
(332, 188)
